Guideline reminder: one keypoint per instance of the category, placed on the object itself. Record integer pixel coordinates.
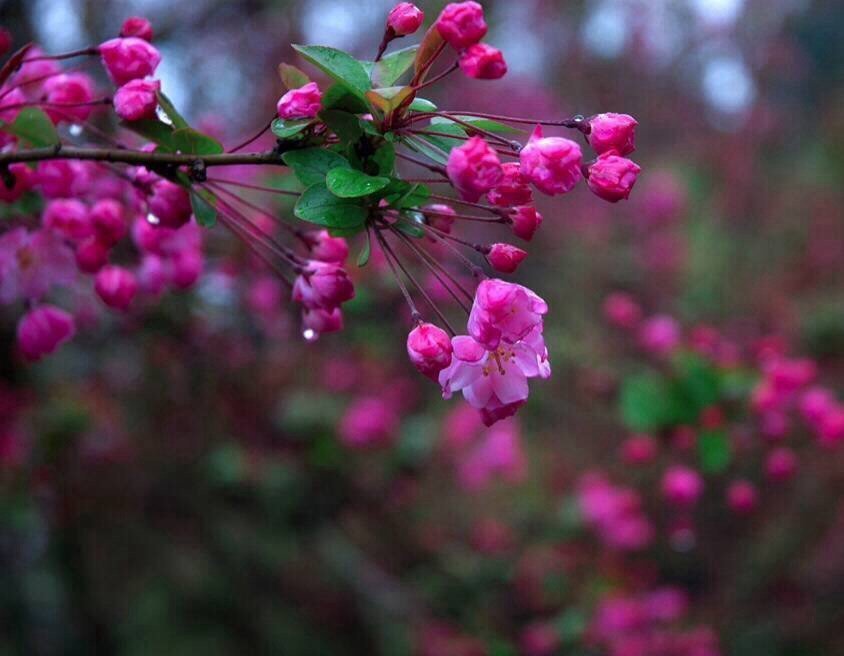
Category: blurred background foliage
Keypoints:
(184, 490)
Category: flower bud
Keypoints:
(137, 99)
(137, 26)
(525, 221)
(429, 349)
(483, 62)
(23, 179)
(151, 275)
(128, 59)
(320, 321)
(304, 102)
(326, 248)
(71, 88)
(660, 335)
(514, 188)
(612, 177)
(612, 132)
(69, 217)
(552, 164)
(322, 286)
(405, 18)
(116, 286)
(622, 311)
(109, 225)
(62, 178)
(474, 168)
(461, 24)
(682, 486)
(639, 450)
(42, 330)
(170, 204)
(781, 464)
(505, 257)
(742, 497)
(440, 217)
(91, 255)
(186, 268)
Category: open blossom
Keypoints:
(462, 24)
(552, 164)
(137, 99)
(612, 177)
(326, 248)
(42, 330)
(505, 258)
(128, 59)
(70, 89)
(483, 62)
(514, 188)
(429, 349)
(116, 286)
(322, 285)
(613, 132)
(304, 102)
(137, 26)
(405, 18)
(474, 168)
(504, 311)
(495, 381)
(525, 221)
(31, 263)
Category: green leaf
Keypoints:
(339, 66)
(714, 452)
(389, 69)
(292, 77)
(34, 127)
(188, 140)
(285, 128)
(390, 99)
(320, 206)
(351, 183)
(482, 123)
(153, 130)
(401, 194)
(410, 229)
(311, 165)
(366, 251)
(422, 105)
(425, 147)
(385, 159)
(644, 402)
(172, 113)
(204, 206)
(345, 125)
(338, 97)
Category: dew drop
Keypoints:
(310, 335)
(152, 219)
(75, 130)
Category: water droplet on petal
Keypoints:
(153, 219)
(75, 130)
(310, 335)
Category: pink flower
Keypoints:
(405, 18)
(68, 217)
(439, 216)
(170, 204)
(552, 164)
(660, 335)
(639, 449)
(615, 513)
(31, 263)
(781, 464)
(525, 221)
(499, 454)
(42, 330)
(91, 255)
(33, 74)
(369, 422)
(622, 310)
(513, 188)
(109, 224)
(742, 497)
(815, 404)
(322, 285)
(317, 321)
(11, 103)
(151, 275)
(831, 429)
(128, 59)
(504, 311)
(137, 99)
(71, 89)
(116, 287)
(304, 102)
(494, 379)
(613, 132)
(681, 486)
(137, 26)
(461, 24)
(63, 178)
(505, 257)
(23, 182)
(326, 248)
(186, 267)
(474, 168)
(429, 349)
(612, 177)
(483, 62)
